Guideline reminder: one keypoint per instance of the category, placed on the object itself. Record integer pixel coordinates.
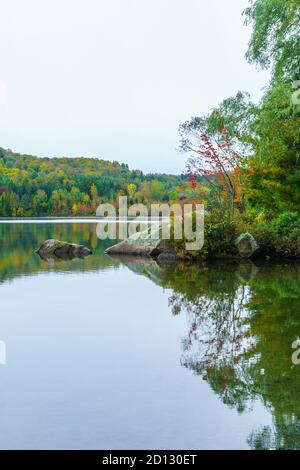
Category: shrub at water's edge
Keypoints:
(279, 237)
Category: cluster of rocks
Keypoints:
(143, 244)
(140, 244)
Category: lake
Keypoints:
(124, 353)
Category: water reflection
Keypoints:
(241, 320)
(20, 241)
(52, 259)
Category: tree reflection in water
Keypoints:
(242, 320)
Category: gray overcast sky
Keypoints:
(115, 78)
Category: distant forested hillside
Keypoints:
(34, 186)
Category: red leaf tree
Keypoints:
(214, 159)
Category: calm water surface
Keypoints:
(108, 353)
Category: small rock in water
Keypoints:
(246, 245)
(63, 249)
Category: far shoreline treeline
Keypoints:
(40, 186)
(243, 158)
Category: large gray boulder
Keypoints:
(62, 249)
(141, 244)
(246, 245)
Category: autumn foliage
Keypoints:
(213, 159)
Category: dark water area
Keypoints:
(124, 353)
